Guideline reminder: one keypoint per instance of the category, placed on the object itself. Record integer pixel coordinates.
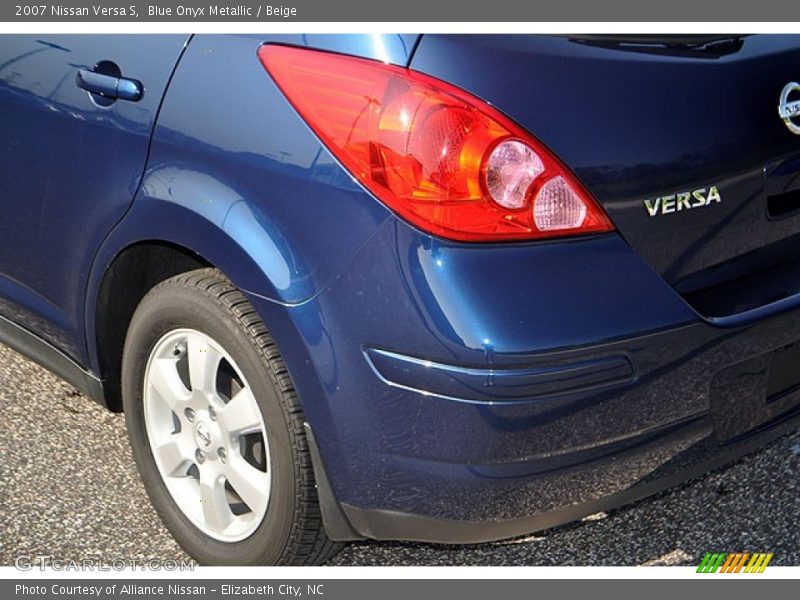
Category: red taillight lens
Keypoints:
(446, 161)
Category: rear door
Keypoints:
(70, 162)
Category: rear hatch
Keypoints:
(646, 120)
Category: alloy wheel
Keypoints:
(207, 435)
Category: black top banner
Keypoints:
(711, 11)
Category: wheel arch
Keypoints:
(163, 236)
(134, 271)
(159, 239)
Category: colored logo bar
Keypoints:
(735, 562)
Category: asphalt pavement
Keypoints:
(69, 489)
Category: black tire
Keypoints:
(291, 532)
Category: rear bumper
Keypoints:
(462, 394)
(697, 460)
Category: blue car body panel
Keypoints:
(60, 193)
(464, 392)
(636, 122)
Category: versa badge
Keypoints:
(682, 201)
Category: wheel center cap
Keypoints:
(203, 435)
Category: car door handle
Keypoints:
(108, 86)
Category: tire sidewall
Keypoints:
(169, 307)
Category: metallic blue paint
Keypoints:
(60, 193)
(635, 125)
(444, 380)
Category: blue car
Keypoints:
(440, 288)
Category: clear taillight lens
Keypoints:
(558, 207)
(444, 160)
(510, 170)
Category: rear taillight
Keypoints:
(444, 160)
